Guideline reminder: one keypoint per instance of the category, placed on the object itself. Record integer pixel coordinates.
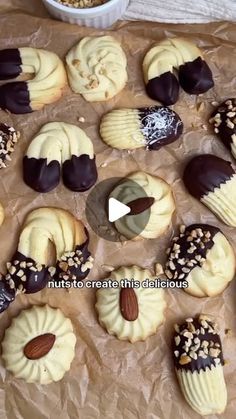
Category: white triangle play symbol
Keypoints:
(116, 210)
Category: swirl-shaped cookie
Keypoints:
(141, 192)
(131, 313)
(212, 180)
(60, 144)
(202, 255)
(180, 54)
(224, 121)
(29, 271)
(39, 345)
(151, 127)
(46, 73)
(96, 68)
(198, 359)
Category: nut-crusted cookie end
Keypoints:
(198, 360)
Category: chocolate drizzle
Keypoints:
(189, 250)
(197, 345)
(164, 88)
(79, 173)
(160, 126)
(15, 97)
(10, 63)
(206, 172)
(195, 77)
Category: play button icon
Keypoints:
(116, 210)
(103, 211)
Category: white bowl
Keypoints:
(99, 17)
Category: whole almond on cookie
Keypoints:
(140, 205)
(39, 346)
(129, 304)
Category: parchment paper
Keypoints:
(112, 379)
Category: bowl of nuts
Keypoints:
(95, 13)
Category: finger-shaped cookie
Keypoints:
(29, 271)
(202, 255)
(212, 180)
(198, 360)
(141, 192)
(169, 55)
(96, 68)
(46, 78)
(131, 313)
(224, 121)
(8, 139)
(60, 144)
(152, 128)
(39, 345)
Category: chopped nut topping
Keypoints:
(184, 359)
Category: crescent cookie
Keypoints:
(212, 180)
(198, 360)
(143, 192)
(60, 144)
(131, 313)
(28, 270)
(96, 68)
(46, 73)
(202, 255)
(152, 128)
(8, 139)
(39, 345)
(224, 121)
(164, 58)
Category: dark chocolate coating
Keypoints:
(225, 132)
(7, 295)
(79, 173)
(160, 126)
(195, 77)
(200, 363)
(10, 62)
(72, 270)
(206, 172)
(39, 175)
(15, 97)
(36, 280)
(164, 88)
(185, 245)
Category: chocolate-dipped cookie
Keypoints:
(169, 55)
(198, 360)
(8, 139)
(28, 271)
(212, 180)
(224, 121)
(39, 345)
(201, 255)
(60, 144)
(152, 127)
(46, 75)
